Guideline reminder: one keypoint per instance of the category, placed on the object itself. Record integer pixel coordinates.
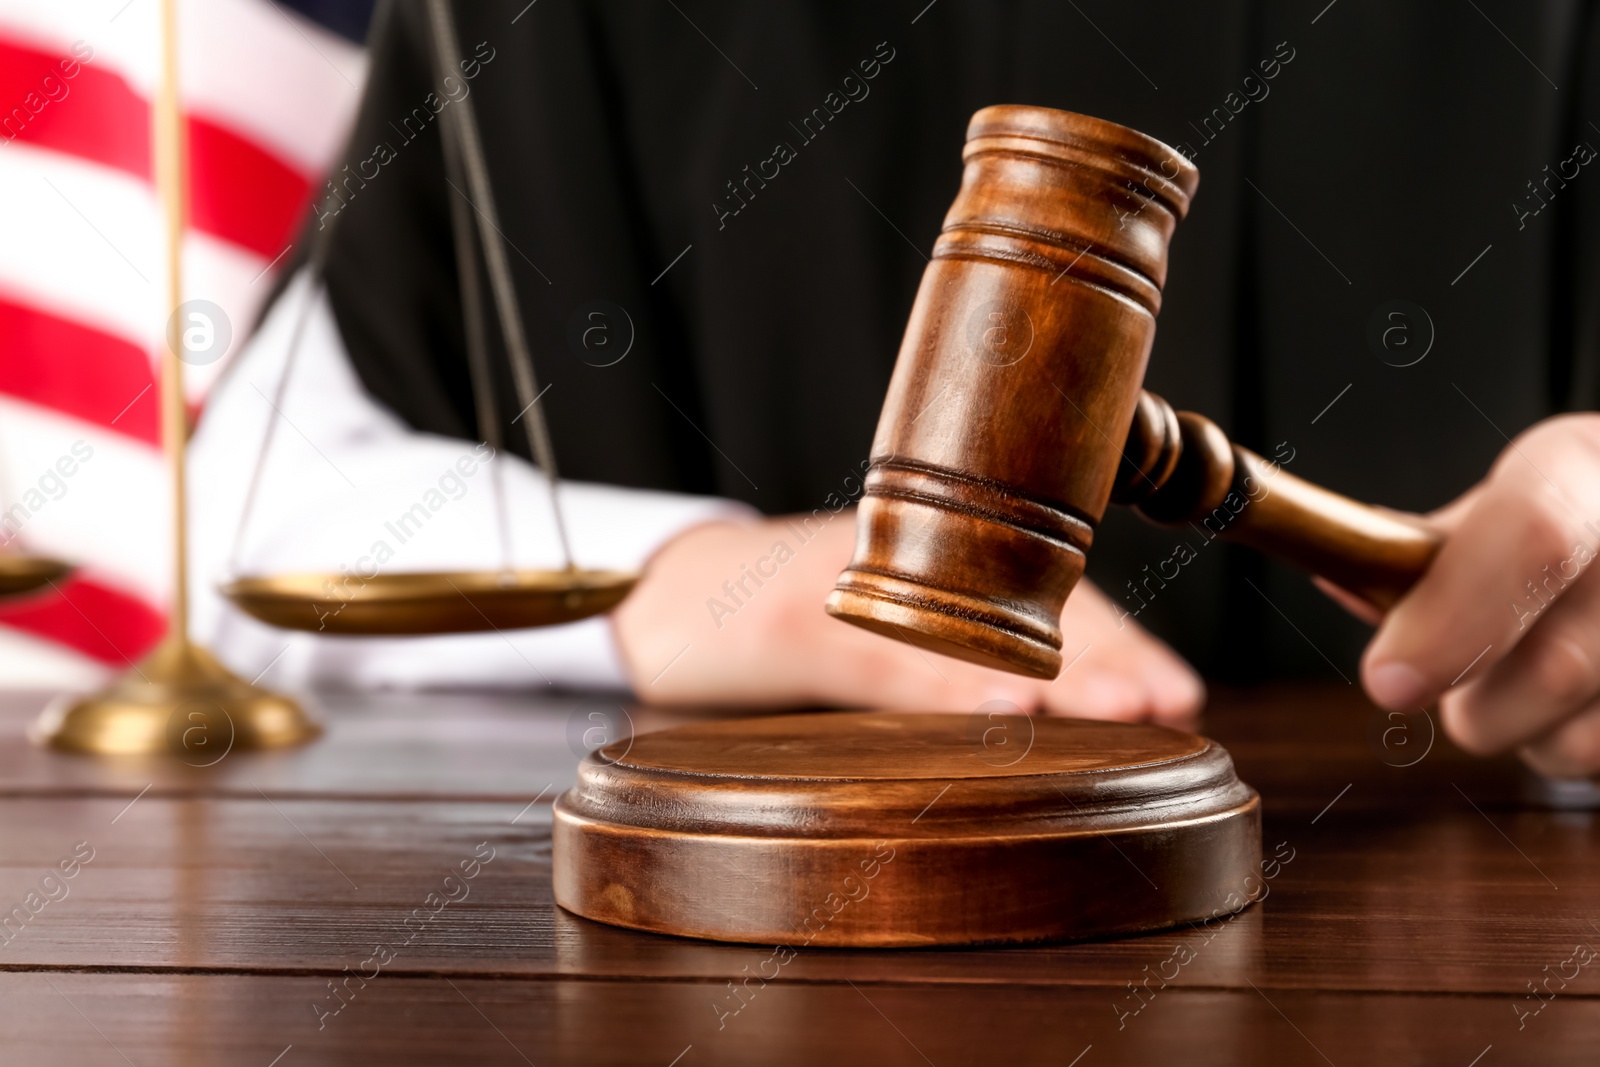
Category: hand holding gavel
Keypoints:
(1178, 467)
(1015, 413)
(1015, 416)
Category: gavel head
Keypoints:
(1015, 387)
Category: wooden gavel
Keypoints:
(1015, 414)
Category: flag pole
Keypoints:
(179, 699)
(172, 187)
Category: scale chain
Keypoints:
(472, 318)
(316, 260)
(500, 280)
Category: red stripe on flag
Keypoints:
(240, 193)
(78, 371)
(103, 623)
(237, 191)
(92, 115)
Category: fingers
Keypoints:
(1571, 750)
(1448, 519)
(1097, 688)
(1349, 602)
(1517, 547)
(1547, 677)
(894, 674)
(1115, 669)
(1140, 679)
(1111, 672)
(776, 647)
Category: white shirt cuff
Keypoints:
(347, 483)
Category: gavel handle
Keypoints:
(1180, 467)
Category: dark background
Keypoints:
(1384, 157)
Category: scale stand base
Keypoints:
(179, 700)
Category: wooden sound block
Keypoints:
(895, 829)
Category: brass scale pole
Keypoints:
(179, 699)
(172, 187)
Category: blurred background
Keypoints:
(1316, 220)
(270, 88)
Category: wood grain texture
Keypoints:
(1016, 380)
(250, 1019)
(1401, 861)
(1015, 414)
(1370, 901)
(86, 1020)
(403, 745)
(1409, 922)
(897, 829)
(1197, 477)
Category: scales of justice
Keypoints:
(181, 684)
(1014, 417)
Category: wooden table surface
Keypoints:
(251, 913)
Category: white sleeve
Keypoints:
(341, 472)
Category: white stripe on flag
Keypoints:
(112, 511)
(83, 244)
(28, 662)
(264, 72)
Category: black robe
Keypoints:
(1352, 155)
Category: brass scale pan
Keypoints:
(21, 574)
(428, 602)
(443, 602)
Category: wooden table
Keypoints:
(234, 914)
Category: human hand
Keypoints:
(1504, 629)
(689, 633)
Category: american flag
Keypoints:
(269, 90)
